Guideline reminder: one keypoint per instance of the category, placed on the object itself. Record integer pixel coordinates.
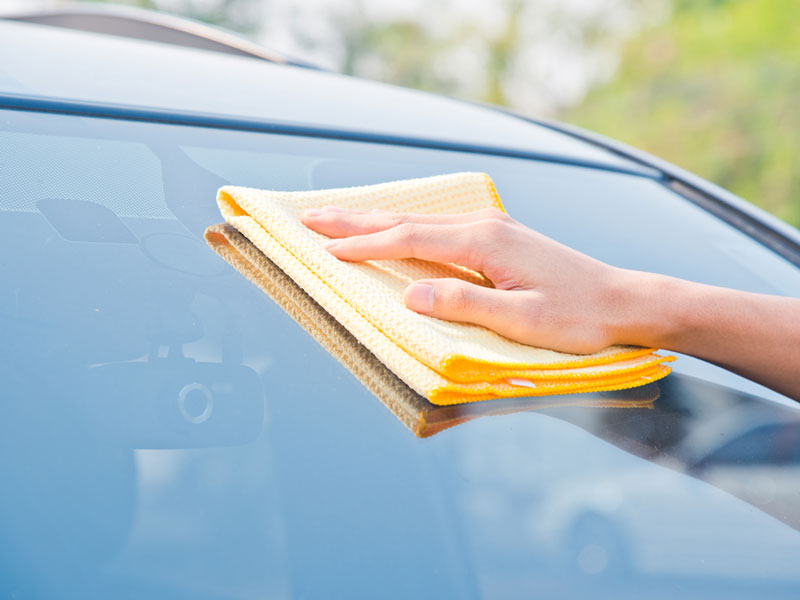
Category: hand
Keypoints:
(545, 294)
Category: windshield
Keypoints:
(169, 432)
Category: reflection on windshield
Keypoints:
(729, 439)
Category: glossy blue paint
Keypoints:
(108, 71)
(222, 121)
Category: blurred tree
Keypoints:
(392, 50)
(535, 55)
(715, 90)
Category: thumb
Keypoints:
(457, 300)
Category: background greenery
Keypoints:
(716, 90)
(711, 85)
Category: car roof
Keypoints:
(142, 24)
(97, 69)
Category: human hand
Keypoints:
(545, 294)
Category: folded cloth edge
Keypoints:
(406, 404)
(438, 389)
(415, 412)
(454, 367)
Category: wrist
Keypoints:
(646, 309)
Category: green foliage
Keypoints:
(715, 90)
(411, 53)
(393, 51)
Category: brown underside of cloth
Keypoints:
(423, 418)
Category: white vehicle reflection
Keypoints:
(671, 520)
(752, 457)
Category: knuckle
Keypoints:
(531, 319)
(406, 230)
(495, 214)
(488, 230)
(457, 299)
(495, 228)
(395, 219)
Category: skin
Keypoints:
(562, 299)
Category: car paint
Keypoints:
(144, 75)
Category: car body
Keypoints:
(168, 432)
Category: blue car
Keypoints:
(168, 432)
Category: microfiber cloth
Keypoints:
(415, 412)
(445, 362)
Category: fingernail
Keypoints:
(419, 297)
(330, 245)
(312, 213)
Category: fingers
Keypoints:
(455, 300)
(438, 243)
(336, 222)
(468, 239)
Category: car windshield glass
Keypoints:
(169, 432)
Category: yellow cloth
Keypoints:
(415, 412)
(445, 362)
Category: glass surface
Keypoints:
(167, 432)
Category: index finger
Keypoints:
(451, 243)
(338, 222)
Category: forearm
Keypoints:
(755, 335)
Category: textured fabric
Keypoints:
(443, 361)
(415, 412)
(404, 402)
